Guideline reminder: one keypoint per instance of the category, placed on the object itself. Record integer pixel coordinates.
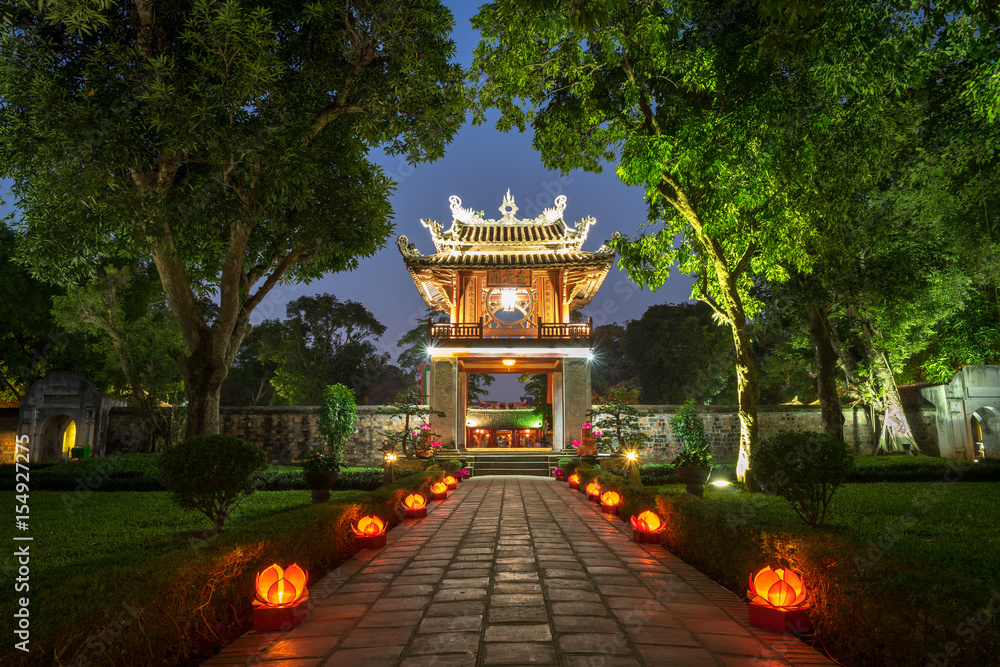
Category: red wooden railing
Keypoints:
(544, 331)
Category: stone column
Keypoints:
(462, 407)
(558, 428)
(576, 396)
(444, 393)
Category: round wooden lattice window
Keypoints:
(510, 306)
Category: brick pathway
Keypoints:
(518, 570)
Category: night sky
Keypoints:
(479, 166)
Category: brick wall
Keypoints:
(289, 433)
(8, 434)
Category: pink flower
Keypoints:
(586, 426)
(576, 443)
(597, 433)
(425, 427)
(436, 443)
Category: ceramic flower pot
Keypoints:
(320, 484)
(694, 478)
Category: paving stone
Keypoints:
(408, 590)
(460, 594)
(395, 604)
(579, 609)
(562, 594)
(446, 642)
(457, 608)
(564, 624)
(676, 655)
(301, 647)
(595, 642)
(382, 656)
(451, 624)
(519, 654)
(395, 619)
(449, 660)
(518, 615)
(371, 637)
(518, 633)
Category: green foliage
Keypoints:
(211, 474)
(618, 422)
(232, 168)
(567, 465)
(695, 449)
(337, 419)
(895, 546)
(434, 467)
(678, 352)
(408, 406)
(451, 466)
(321, 462)
(803, 467)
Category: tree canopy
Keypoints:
(226, 142)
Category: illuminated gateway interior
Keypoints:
(509, 287)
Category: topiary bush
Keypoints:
(212, 474)
(451, 466)
(337, 419)
(804, 468)
(567, 465)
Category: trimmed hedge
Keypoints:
(181, 607)
(138, 472)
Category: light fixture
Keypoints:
(720, 483)
(281, 597)
(508, 299)
(647, 528)
(632, 456)
(778, 601)
(509, 362)
(416, 506)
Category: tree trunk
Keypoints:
(203, 383)
(831, 414)
(896, 435)
(746, 384)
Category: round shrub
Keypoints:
(451, 466)
(567, 465)
(804, 468)
(211, 474)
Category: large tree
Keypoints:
(226, 142)
(688, 102)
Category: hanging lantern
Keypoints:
(777, 601)
(594, 492)
(574, 481)
(281, 597)
(416, 506)
(369, 533)
(439, 491)
(450, 482)
(647, 528)
(610, 501)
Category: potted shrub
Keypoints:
(694, 462)
(337, 420)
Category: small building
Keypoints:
(509, 287)
(967, 413)
(504, 429)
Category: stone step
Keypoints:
(534, 472)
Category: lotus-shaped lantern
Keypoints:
(777, 601)
(450, 482)
(439, 491)
(779, 588)
(414, 501)
(574, 481)
(280, 597)
(281, 588)
(610, 501)
(594, 491)
(647, 527)
(368, 526)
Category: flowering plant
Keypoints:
(425, 427)
(596, 432)
(586, 426)
(436, 444)
(464, 472)
(320, 462)
(576, 443)
(557, 472)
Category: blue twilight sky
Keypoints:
(479, 166)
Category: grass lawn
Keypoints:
(83, 554)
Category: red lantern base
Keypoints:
(646, 538)
(440, 496)
(574, 485)
(594, 497)
(560, 478)
(266, 619)
(416, 513)
(369, 541)
(795, 621)
(609, 509)
(452, 487)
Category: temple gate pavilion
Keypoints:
(509, 287)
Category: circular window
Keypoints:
(509, 306)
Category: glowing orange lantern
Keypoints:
(609, 502)
(574, 481)
(280, 597)
(369, 533)
(451, 482)
(777, 601)
(439, 491)
(416, 506)
(594, 492)
(647, 527)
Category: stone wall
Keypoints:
(722, 426)
(289, 433)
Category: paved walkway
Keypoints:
(518, 570)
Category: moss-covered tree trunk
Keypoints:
(831, 414)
